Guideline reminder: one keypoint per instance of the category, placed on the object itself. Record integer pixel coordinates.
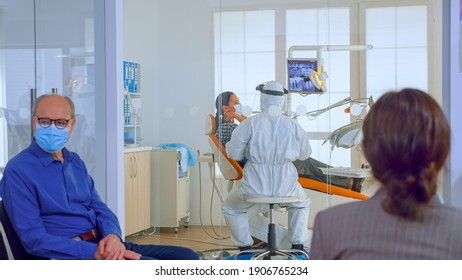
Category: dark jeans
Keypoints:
(309, 168)
(162, 252)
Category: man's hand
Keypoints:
(110, 248)
(130, 255)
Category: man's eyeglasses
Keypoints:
(46, 122)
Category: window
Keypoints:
(400, 55)
(247, 54)
(244, 52)
(323, 27)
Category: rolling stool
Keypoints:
(271, 249)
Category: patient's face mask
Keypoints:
(238, 108)
(51, 139)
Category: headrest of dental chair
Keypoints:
(210, 125)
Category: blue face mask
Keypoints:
(238, 108)
(51, 139)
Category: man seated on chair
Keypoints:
(52, 202)
(270, 141)
(228, 109)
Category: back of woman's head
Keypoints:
(406, 140)
(221, 100)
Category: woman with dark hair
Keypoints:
(228, 109)
(406, 140)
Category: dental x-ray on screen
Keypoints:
(298, 71)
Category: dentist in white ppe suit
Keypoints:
(270, 141)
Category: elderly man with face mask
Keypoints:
(52, 202)
(271, 142)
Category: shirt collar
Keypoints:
(45, 157)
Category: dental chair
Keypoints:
(260, 227)
(232, 172)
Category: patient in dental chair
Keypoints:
(229, 109)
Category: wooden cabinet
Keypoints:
(170, 196)
(137, 191)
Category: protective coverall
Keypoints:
(270, 141)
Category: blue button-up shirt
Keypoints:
(50, 202)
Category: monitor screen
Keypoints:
(298, 70)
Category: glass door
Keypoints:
(65, 63)
(17, 75)
(46, 46)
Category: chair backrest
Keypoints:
(230, 169)
(10, 246)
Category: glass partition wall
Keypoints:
(365, 48)
(357, 50)
(335, 57)
(254, 45)
(46, 47)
